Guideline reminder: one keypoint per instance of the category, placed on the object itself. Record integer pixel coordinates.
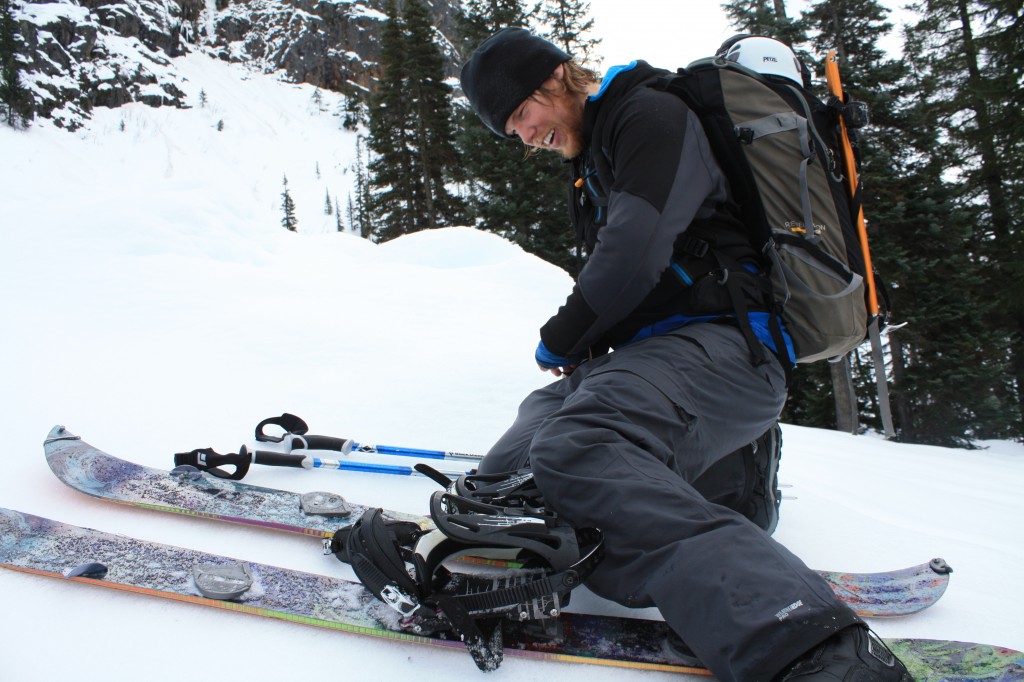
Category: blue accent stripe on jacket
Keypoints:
(610, 76)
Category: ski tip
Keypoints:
(58, 433)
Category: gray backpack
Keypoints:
(779, 147)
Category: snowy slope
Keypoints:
(152, 303)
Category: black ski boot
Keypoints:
(746, 480)
(853, 654)
(765, 497)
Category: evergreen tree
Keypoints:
(350, 211)
(944, 388)
(766, 18)
(946, 384)
(328, 208)
(436, 155)
(359, 208)
(567, 24)
(391, 172)
(288, 221)
(521, 199)
(353, 111)
(967, 56)
(410, 130)
(15, 99)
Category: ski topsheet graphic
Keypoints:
(94, 472)
(40, 546)
(194, 493)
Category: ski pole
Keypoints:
(296, 438)
(213, 462)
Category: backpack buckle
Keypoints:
(745, 135)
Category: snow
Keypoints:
(153, 304)
(46, 13)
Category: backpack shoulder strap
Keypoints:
(699, 86)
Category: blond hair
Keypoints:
(575, 80)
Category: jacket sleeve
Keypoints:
(664, 176)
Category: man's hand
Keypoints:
(559, 371)
(557, 365)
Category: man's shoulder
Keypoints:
(647, 108)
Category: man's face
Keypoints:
(551, 118)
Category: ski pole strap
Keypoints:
(289, 423)
(212, 462)
(296, 430)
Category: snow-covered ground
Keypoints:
(152, 303)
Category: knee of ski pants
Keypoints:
(694, 397)
(607, 460)
(512, 450)
(615, 425)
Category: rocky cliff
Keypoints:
(80, 54)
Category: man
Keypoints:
(627, 440)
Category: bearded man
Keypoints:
(650, 443)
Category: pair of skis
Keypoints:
(49, 548)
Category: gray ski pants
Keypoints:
(618, 444)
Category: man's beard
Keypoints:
(574, 134)
(569, 126)
(574, 148)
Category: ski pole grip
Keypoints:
(211, 461)
(343, 445)
(278, 459)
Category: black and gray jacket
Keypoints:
(651, 202)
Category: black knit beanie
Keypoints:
(507, 68)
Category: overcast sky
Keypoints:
(666, 33)
(672, 33)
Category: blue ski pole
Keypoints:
(295, 437)
(214, 463)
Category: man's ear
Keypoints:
(553, 86)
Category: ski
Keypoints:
(193, 493)
(319, 514)
(52, 549)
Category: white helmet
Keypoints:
(765, 55)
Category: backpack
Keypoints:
(779, 147)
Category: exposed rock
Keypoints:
(81, 54)
(326, 43)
